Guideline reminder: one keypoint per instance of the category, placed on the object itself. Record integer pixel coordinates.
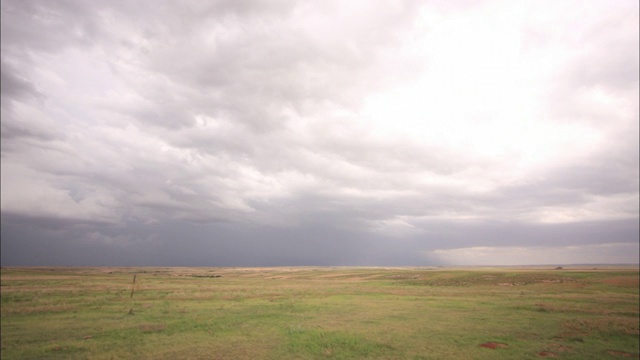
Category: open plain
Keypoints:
(318, 313)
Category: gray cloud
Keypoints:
(15, 87)
(256, 133)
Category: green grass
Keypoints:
(319, 313)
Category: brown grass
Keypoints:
(25, 310)
(609, 324)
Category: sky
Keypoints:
(328, 133)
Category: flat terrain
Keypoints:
(318, 313)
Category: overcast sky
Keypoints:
(259, 133)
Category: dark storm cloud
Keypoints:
(172, 244)
(285, 133)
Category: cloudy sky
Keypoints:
(259, 133)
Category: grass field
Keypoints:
(318, 313)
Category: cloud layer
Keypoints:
(335, 133)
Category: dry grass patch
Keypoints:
(315, 313)
(603, 325)
(27, 310)
(149, 328)
(624, 281)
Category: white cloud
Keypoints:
(606, 253)
(25, 191)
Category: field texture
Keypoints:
(318, 313)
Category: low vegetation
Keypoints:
(320, 313)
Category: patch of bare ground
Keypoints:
(619, 353)
(554, 350)
(627, 281)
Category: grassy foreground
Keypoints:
(317, 313)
